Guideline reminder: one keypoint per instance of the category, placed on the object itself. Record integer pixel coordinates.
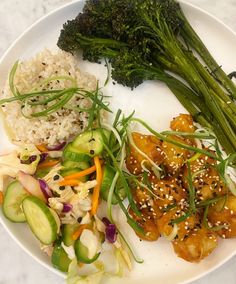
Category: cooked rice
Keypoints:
(61, 125)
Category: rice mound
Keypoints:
(59, 126)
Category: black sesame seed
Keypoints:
(79, 219)
(56, 177)
(62, 187)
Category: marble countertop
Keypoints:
(16, 267)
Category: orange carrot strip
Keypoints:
(77, 233)
(42, 148)
(70, 182)
(48, 164)
(1, 197)
(82, 173)
(96, 190)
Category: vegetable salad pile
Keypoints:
(57, 191)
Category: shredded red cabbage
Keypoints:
(43, 157)
(67, 207)
(45, 189)
(56, 147)
(110, 231)
(30, 160)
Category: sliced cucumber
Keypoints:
(14, 196)
(71, 164)
(81, 253)
(40, 219)
(108, 176)
(67, 231)
(85, 146)
(60, 259)
(89, 142)
(73, 154)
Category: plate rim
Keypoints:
(2, 58)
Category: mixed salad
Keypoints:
(58, 191)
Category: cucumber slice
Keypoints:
(71, 164)
(14, 196)
(89, 142)
(67, 231)
(40, 219)
(60, 259)
(81, 253)
(108, 176)
(71, 153)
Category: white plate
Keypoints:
(153, 102)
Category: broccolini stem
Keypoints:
(195, 79)
(184, 95)
(224, 141)
(193, 40)
(211, 82)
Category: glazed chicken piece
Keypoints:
(166, 226)
(148, 224)
(145, 203)
(147, 208)
(174, 156)
(206, 179)
(198, 245)
(182, 123)
(168, 192)
(148, 144)
(223, 213)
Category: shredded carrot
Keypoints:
(48, 164)
(82, 173)
(77, 233)
(70, 182)
(96, 190)
(1, 197)
(42, 148)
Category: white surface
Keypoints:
(15, 265)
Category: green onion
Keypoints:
(60, 98)
(55, 78)
(211, 201)
(58, 105)
(130, 221)
(129, 247)
(197, 135)
(172, 141)
(123, 180)
(13, 88)
(192, 205)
